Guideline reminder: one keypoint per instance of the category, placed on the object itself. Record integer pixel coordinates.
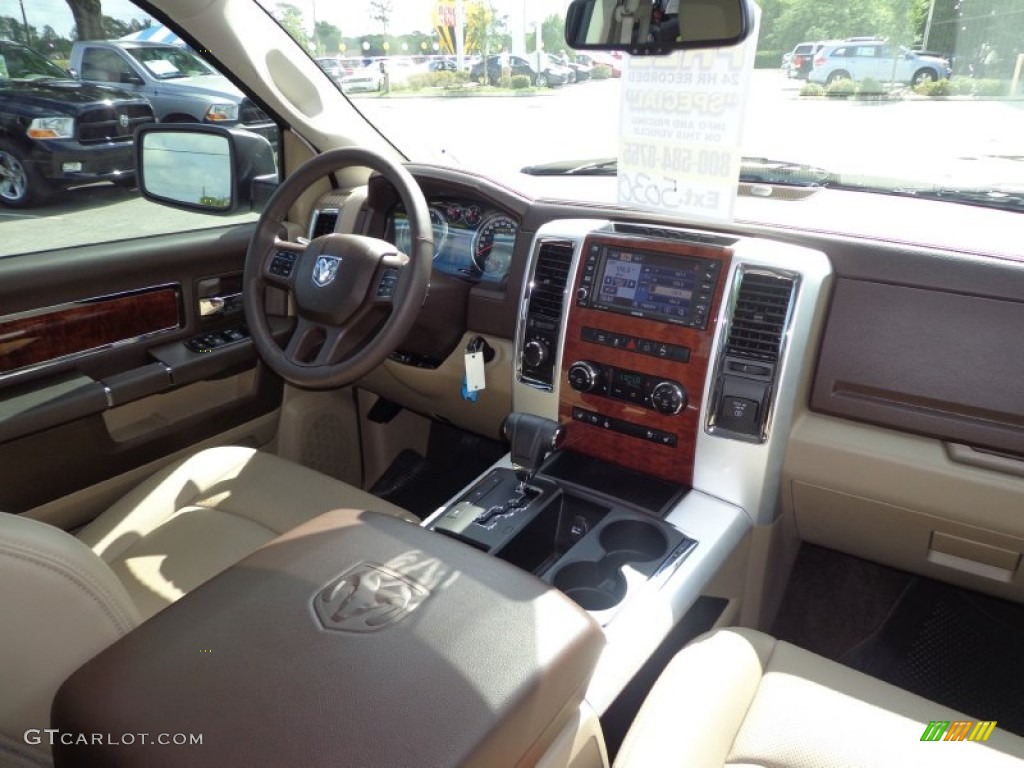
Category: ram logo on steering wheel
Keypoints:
(325, 270)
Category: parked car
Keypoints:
(367, 78)
(555, 72)
(580, 70)
(442, 65)
(550, 73)
(595, 58)
(801, 60)
(876, 59)
(332, 66)
(399, 69)
(56, 132)
(181, 86)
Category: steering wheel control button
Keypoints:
(282, 264)
(386, 287)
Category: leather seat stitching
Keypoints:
(107, 604)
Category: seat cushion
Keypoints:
(738, 697)
(61, 605)
(197, 517)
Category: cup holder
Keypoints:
(599, 584)
(593, 586)
(633, 541)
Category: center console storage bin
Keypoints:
(356, 639)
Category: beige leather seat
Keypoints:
(737, 697)
(65, 598)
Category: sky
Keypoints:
(408, 15)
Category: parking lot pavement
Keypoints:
(94, 214)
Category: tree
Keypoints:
(290, 19)
(380, 11)
(326, 37)
(88, 16)
(115, 28)
(552, 33)
(485, 29)
(12, 29)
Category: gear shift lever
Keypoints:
(532, 438)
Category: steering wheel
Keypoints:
(355, 297)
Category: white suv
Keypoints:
(877, 59)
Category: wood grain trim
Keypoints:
(51, 334)
(674, 464)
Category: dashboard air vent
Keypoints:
(759, 318)
(539, 341)
(549, 279)
(324, 222)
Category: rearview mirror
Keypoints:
(653, 27)
(205, 168)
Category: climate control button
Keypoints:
(668, 397)
(584, 376)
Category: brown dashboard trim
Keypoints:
(54, 333)
(931, 362)
(674, 464)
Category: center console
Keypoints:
(637, 344)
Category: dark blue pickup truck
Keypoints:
(56, 132)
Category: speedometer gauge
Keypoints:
(438, 222)
(493, 245)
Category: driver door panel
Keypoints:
(107, 362)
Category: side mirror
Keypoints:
(204, 168)
(653, 27)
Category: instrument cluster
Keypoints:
(470, 240)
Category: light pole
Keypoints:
(928, 27)
(24, 20)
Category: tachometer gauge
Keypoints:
(454, 212)
(493, 245)
(437, 221)
(472, 215)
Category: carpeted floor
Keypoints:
(422, 483)
(952, 646)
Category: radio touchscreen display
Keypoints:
(659, 286)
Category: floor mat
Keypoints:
(954, 647)
(421, 484)
(835, 601)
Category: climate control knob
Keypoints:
(668, 397)
(584, 376)
(535, 352)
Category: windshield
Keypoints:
(894, 96)
(19, 63)
(169, 61)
